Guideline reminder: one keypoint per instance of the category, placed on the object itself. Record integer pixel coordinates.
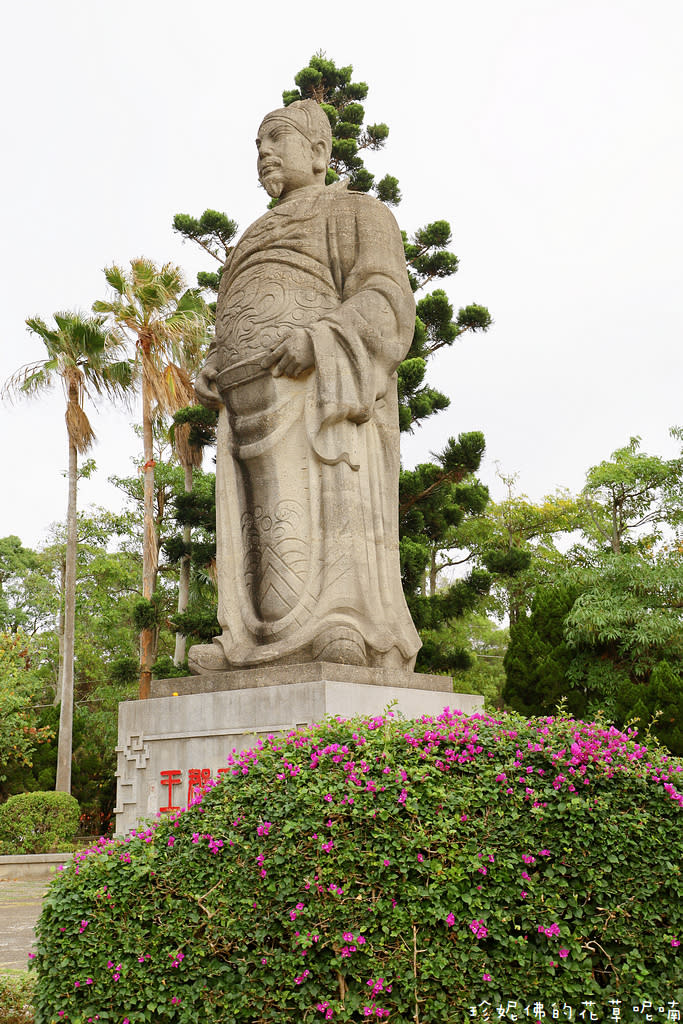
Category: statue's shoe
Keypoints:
(342, 645)
(204, 658)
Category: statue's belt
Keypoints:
(241, 373)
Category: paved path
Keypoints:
(20, 904)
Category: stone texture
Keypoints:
(272, 675)
(315, 313)
(192, 734)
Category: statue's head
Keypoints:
(294, 145)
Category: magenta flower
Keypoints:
(564, 953)
(450, 920)
(171, 840)
(486, 977)
(675, 942)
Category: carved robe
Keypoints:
(307, 468)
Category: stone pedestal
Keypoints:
(183, 734)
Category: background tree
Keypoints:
(517, 540)
(630, 496)
(606, 625)
(193, 428)
(106, 664)
(169, 325)
(20, 732)
(84, 357)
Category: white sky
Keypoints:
(548, 132)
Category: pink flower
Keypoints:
(175, 1000)
(420, 858)
(486, 977)
(564, 953)
(171, 840)
(675, 942)
(386, 863)
(450, 920)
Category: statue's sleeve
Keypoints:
(359, 345)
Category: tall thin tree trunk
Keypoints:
(432, 572)
(60, 627)
(184, 581)
(149, 541)
(66, 710)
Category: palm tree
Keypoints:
(170, 326)
(84, 357)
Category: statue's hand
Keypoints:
(291, 356)
(205, 386)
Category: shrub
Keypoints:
(16, 994)
(384, 868)
(38, 822)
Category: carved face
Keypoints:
(285, 158)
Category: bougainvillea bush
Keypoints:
(386, 869)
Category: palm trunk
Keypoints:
(66, 710)
(184, 581)
(149, 542)
(60, 627)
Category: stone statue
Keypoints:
(315, 313)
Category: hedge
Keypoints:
(413, 872)
(38, 822)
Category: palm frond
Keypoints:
(29, 380)
(116, 279)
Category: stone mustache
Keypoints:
(315, 313)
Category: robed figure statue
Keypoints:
(315, 313)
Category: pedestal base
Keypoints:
(183, 734)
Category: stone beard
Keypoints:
(307, 466)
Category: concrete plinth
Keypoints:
(183, 734)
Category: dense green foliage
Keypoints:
(605, 627)
(16, 996)
(38, 822)
(20, 730)
(384, 868)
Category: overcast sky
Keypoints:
(547, 132)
